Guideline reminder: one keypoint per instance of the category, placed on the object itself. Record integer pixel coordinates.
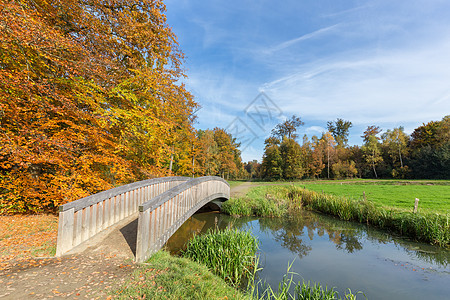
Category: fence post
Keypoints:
(416, 205)
(65, 231)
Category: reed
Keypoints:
(428, 227)
(255, 206)
(230, 253)
(289, 289)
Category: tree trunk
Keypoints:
(373, 163)
(328, 159)
(400, 154)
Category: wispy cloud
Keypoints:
(311, 35)
(384, 63)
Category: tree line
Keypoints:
(390, 154)
(90, 98)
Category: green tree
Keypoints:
(344, 169)
(430, 150)
(272, 162)
(340, 130)
(372, 153)
(396, 141)
(290, 152)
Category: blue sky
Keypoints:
(377, 62)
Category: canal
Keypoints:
(337, 254)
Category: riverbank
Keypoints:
(274, 201)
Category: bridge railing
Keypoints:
(161, 216)
(82, 219)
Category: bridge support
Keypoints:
(160, 217)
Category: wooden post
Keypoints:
(142, 235)
(416, 205)
(65, 231)
(364, 195)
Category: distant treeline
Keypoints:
(389, 154)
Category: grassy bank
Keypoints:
(434, 196)
(426, 226)
(168, 277)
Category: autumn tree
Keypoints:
(371, 130)
(89, 98)
(287, 128)
(317, 156)
(252, 168)
(328, 144)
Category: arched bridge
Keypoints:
(162, 205)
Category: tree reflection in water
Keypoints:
(290, 231)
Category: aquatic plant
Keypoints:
(230, 253)
(289, 289)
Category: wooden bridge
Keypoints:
(161, 205)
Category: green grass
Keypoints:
(389, 194)
(234, 183)
(168, 277)
(230, 253)
(261, 201)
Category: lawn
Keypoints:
(399, 194)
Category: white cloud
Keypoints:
(407, 85)
(315, 130)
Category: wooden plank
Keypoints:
(127, 207)
(122, 206)
(99, 217)
(93, 220)
(85, 224)
(78, 228)
(142, 236)
(65, 232)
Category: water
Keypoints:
(337, 254)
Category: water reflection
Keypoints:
(337, 254)
(289, 233)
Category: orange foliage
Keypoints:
(88, 99)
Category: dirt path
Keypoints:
(242, 189)
(91, 271)
(88, 272)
